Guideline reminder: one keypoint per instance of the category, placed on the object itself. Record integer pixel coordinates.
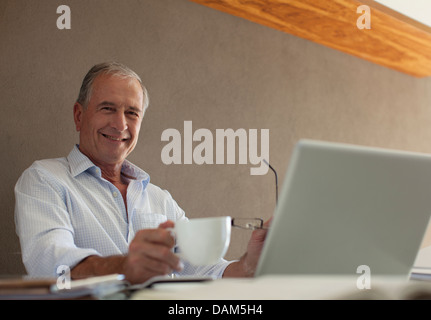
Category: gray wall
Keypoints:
(198, 64)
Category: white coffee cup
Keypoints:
(203, 241)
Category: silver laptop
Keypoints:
(344, 206)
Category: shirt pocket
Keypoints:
(146, 220)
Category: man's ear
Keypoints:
(78, 111)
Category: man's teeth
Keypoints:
(113, 138)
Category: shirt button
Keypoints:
(115, 194)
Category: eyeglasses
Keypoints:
(276, 180)
(248, 223)
(255, 223)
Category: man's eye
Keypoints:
(134, 114)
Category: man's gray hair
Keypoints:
(108, 68)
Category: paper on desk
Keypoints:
(97, 287)
(28, 288)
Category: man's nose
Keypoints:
(119, 122)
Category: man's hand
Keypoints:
(247, 265)
(150, 254)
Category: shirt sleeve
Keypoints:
(43, 225)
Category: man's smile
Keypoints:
(113, 138)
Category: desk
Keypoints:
(288, 288)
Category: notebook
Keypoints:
(344, 206)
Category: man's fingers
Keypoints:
(155, 244)
(151, 254)
(268, 222)
(167, 224)
(164, 255)
(157, 236)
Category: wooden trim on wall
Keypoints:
(394, 41)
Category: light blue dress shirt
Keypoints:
(65, 211)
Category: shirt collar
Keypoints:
(78, 163)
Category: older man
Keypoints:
(96, 212)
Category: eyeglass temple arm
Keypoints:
(276, 179)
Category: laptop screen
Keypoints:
(344, 206)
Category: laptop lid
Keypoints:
(344, 206)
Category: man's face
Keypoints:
(109, 126)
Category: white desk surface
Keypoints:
(286, 288)
(295, 287)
